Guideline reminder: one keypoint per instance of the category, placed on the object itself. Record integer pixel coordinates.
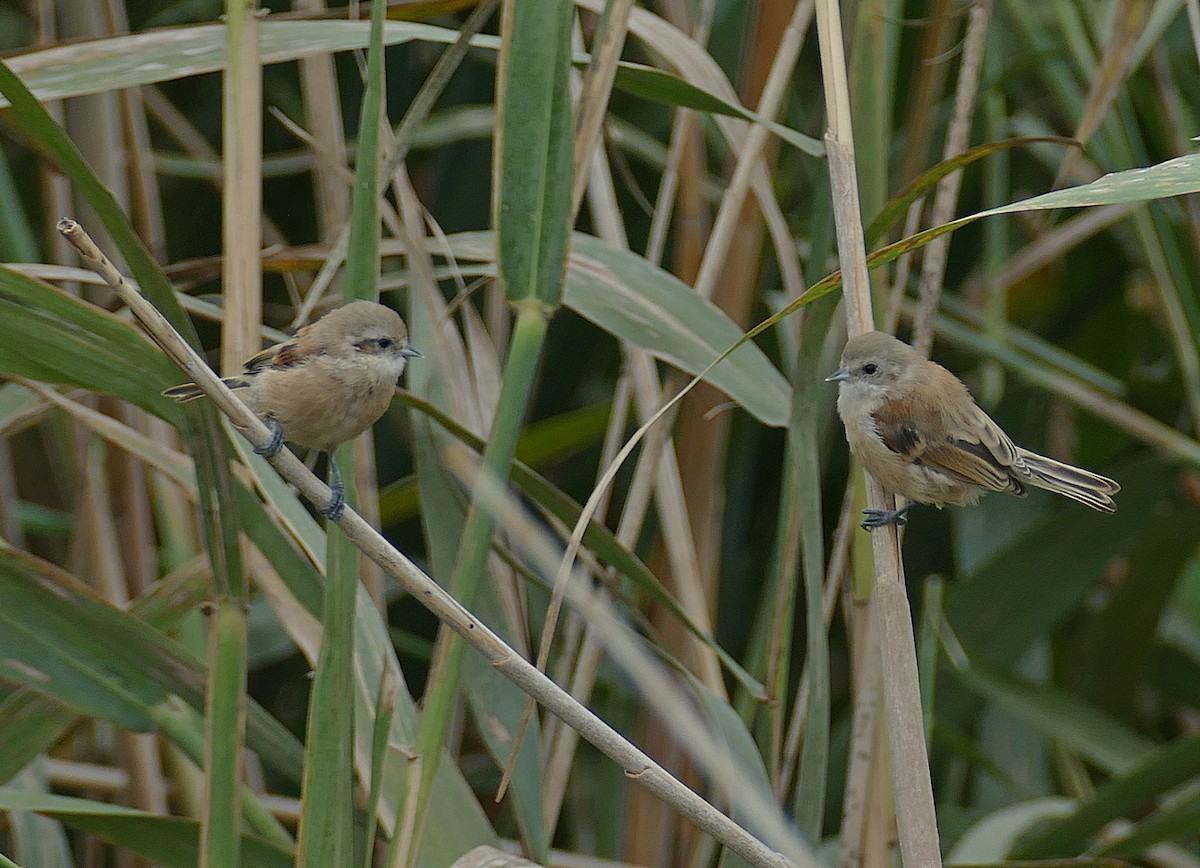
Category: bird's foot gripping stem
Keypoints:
(883, 517)
(337, 503)
(275, 443)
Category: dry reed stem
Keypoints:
(597, 88)
(657, 472)
(892, 622)
(322, 110)
(672, 704)
(637, 765)
(241, 194)
(750, 154)
(958, 137)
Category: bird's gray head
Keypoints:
(875, 365)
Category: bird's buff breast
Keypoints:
(323, 418)
(898, 474)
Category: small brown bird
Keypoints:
(918, 431)
(333, 380)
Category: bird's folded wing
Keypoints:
(971, 462)
(972, 449)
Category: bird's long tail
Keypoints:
(1090, 489)
(190, 391)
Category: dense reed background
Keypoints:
(162, 604)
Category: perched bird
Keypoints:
(918, 431)
(328, 384)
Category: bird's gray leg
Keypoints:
(337, 504)
(276, 442)
(883, 517)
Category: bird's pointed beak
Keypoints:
(410, 353)
(838, 375)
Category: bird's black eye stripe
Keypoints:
(870, 368)
(371, 343)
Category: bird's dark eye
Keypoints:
(870, 368)
(384, 343)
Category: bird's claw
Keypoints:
(876, 518)
(337, 503)
(275, 443)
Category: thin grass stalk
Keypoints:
(597, 90)
(54, 187)
(639, 369)
(445, 607)
(873, 81)
(995, 240)
(99, 548)
(532, 181)
(682, 132)
(1048, 247)
(728, 274)
(326, 833)
(591, 177)
(805, 465)
(684, 135)
(903, 269)
(528, 337)
(1111, 72)
(657, 461)
(924, 87)
(144, 200)
(1193, 14)
(1164, 259)
(241, 198)
(225, 720)
(834, 577)
(651, 29)
(750, 154)
(225, 710)
(184, 729)
(11, 529)
(958, 137)
(858, 799)
(401, 141)
(784, 574)
(93, 121)
(137, 752)
(176, 125)
(323, 111)
(1118, 142)
(670, 702)
(820, 222)
(927, 647)
(138, 543)
(1172, 102)
(916, 817)
(32, 838)
(657, 452)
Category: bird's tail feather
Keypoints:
(1090, 489)
(190, 391)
